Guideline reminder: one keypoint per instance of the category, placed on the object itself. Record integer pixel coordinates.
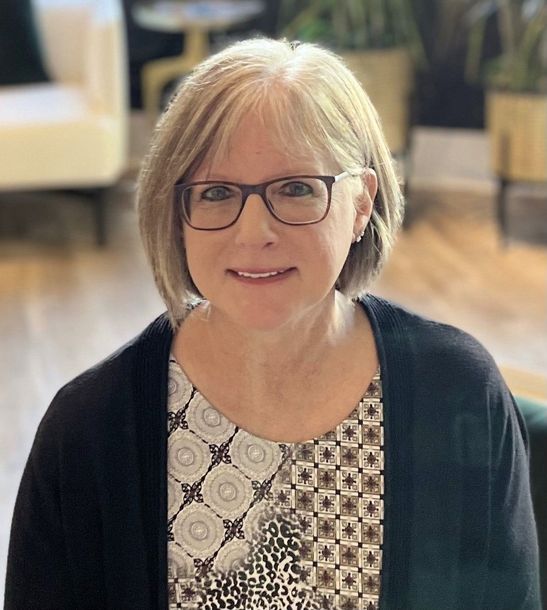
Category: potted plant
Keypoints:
(374, 37)
(516, 81)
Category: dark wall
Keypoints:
(444, 96)
(144, 44)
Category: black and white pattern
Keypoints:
(258, 524)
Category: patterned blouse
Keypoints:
(255, 524)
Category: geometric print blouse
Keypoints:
(257, 524)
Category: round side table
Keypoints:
(194, 18)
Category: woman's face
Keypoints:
(306, 259)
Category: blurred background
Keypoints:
(461, 88)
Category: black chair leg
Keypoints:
(97, 197)
(503, 183)
(99, 208)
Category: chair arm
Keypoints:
(63, 27)
(106, 70)
(84, 45)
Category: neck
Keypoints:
(288, 384)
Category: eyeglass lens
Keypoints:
(294, 201)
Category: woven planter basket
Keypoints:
(388, 78)
(517, 127)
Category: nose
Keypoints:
(255, 225)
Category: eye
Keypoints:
(296, 189)
(217, 192)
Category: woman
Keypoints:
(280, 438)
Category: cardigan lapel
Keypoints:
(151, 371)
(396, 363)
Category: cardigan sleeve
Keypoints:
(37, 569)
(513, 565)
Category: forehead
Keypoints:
(259, 143)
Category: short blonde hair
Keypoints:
(297, 89)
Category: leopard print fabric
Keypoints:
(270, 577)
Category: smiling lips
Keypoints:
(260, 275)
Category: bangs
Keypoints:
(302, 126)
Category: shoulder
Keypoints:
(450, 385)
(102, 395)
(446, 373)
(445, 351)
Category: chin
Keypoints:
(263, 320)
(272, 312)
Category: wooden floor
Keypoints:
(64, 304)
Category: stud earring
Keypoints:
(359, 237)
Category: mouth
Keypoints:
(261, 276)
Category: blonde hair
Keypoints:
(297, 89)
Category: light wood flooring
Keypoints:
(64, 304)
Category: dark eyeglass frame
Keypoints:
(254, 189)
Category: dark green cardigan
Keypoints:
(90, 522)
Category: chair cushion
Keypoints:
(20, 53)
(41, 104)
(535, 416)
(52, 137)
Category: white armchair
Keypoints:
(70, 133)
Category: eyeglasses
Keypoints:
(293, 200)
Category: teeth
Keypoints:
(259, 275)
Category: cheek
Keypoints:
(340, 224)
(189, 248)
(197, 255)
(333, 245)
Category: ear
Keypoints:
(365, 201)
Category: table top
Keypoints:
(177, 16)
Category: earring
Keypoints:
(359, 237)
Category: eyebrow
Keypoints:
(280, 174)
